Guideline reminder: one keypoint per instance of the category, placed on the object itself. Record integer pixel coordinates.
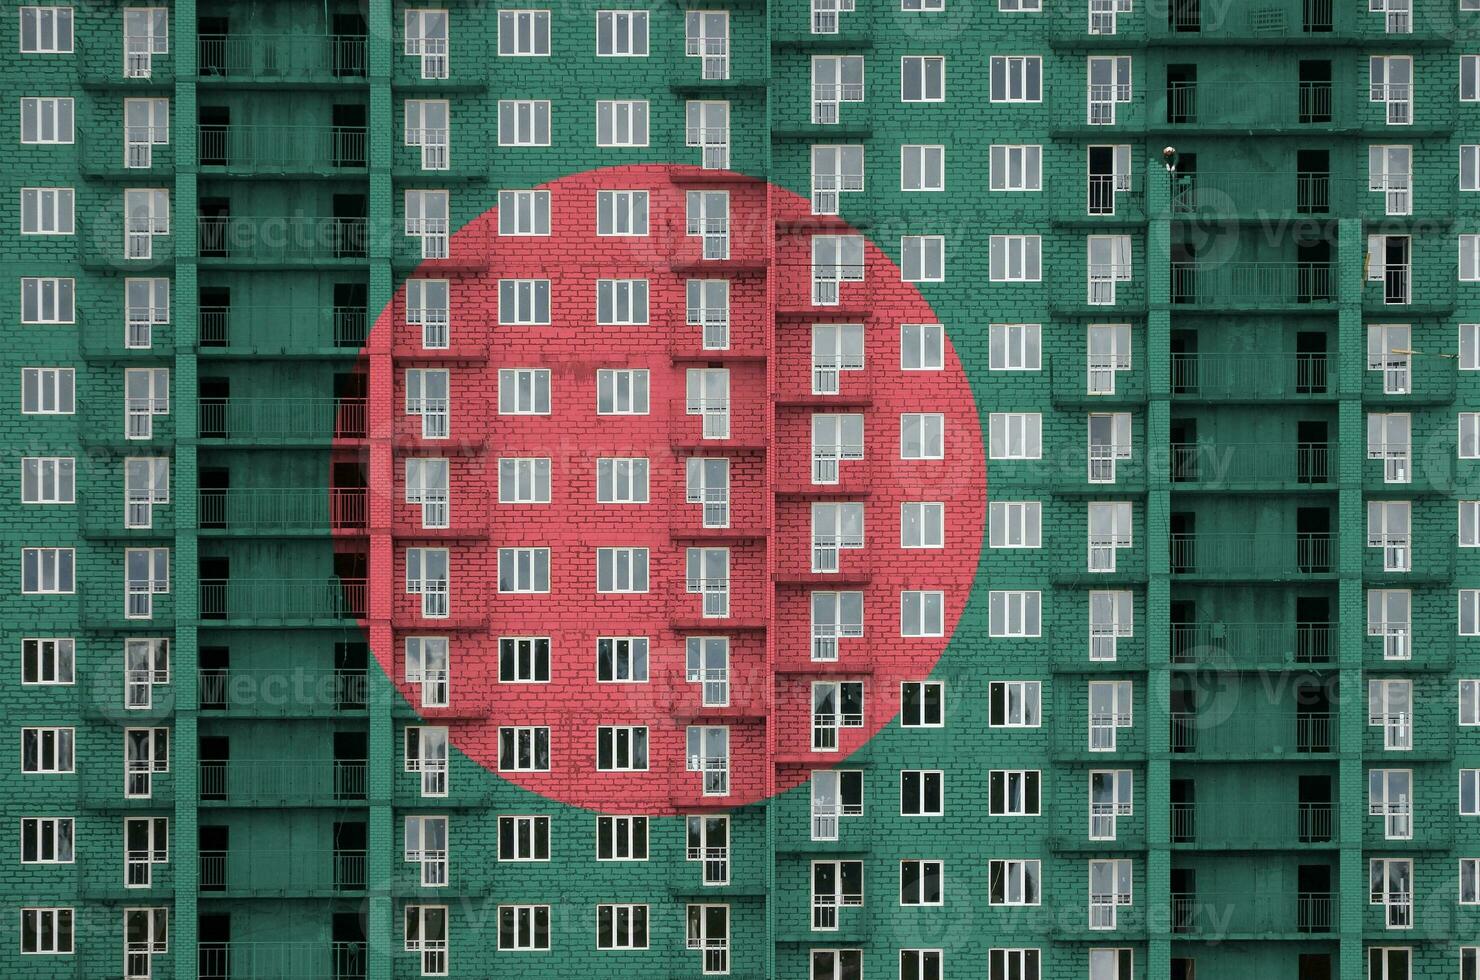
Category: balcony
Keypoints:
(281, 960)
(262, 782)
(1240, 645)
(1257, 556)
(1241, 194)
(287, 873)
(330, 600)
(305, 59)
(287, 151)
(1276, 825)
(1251, 734)
(291, 331)
(282, 421)
(1244, 915)
(287, 510)
(1252, 285)
(1250, 466)
(1251, 377)
(285, 692)
(282, 242)
(1243, 106)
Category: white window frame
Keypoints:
(625, 122)
(1015, 613)
(48, 300)
(523, 213)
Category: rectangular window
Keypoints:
(707, 392)
(427, 488)
(1013, 614)
(48, 660)
(1015, 435)
(524, 659)
(426, 930)
(146, 575)
(524, 569)
(1469, 78)
(523, 480)
(621, 838)
(427, 219)
(834, 438)
(48, 300)
(1015, 347)
(1111, 616)
(1109, 258)
(834, 615)
(146, 842)
(836, 259)
(1015, 524)
(707, 37)
(921, 882)
(1391, 82)
(524, 302)
(835, 79)
(621, 392)
(1109, 526)
(523, 122)
(426, 845)
(426, 752)
(835, 884)
(620, 570)
(46, 120)
(146, 751)
(923, 258)
(1469, 881)
(707, 306)
(922, 167)
(1015, 258)
(1469, 792)
(1469, 435)
(622, 33)
(622, 659)
(707, 126)
(1014, 964)
(145, 34)
(523, 748)
(622, 480)
(708, 752)
(707, 217)
(524, 391)
(1469, 702)
(1469, 258)
(921, 613)
(1109, 85)
(921, 793)
(922, 525)
(1109, 889)
(622, 123)
(621, 302)
(926, 964)
(621, 927)
(1017, 167)
(1111, 795)
(922, 436)
(427, 667)
(146, 393)
(47, 391)
(523, 33)
(146, 485)
(1012, 882)
(1110, 709)
(1017, 78)
(835, 705)
(524, 838)
(835, 527)
(1389, 527)
(922, 704)
(921, 347)
(46, 931)
(47, 211)
(428, 305)
(48, 571)
(428, 126)
(922, 79)
(1014, 792)
(1015, 704)
(836, 170)
(621, 748)
(46, 30)
(524, 213)
(1469, 167)
(427, 395)
(48, 479)
(47, 750)
(46, 840)
(146, 665)
(621, 213)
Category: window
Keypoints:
(427, 487)
(707, 663)
(523, 122)
(1111, 794)
(426, 933)
(427, 219)
(1469, 792)
(46, 211)
(1469, 435)
(835, 705)
(1469, 258)
(623, 392)
(834, 438)
(922, 167)
(924, 964)
(1015, 435)
(1469, 956)
(621, 302)
(1109, 262)
(146, 574)
(524, 213)
(621, 570)
(622, 748)
(921, 882)
(835, 79)
(428, 575)
(428, 124)
(146, 484)
(1015, 347)
(523, 748)
(1109, 888)
(428, 306)
(1469, 702)
(47, 930)
(427, 666)
(621, 838)
(524, 927)
(834, 615)
(523, 480)
(146, 124)
(922, 79)
(836, 170)
(146, 215)
(1013, 614)
(921, 613)
(1111, 616)
(48, 479)
(922, 704)
(835, 884)
(1390, 439)
(426, 753)
(147, 304)
(707, 574)
(836, 259)
(1109, 441)
(46, 840)
(146, 751)
(707, 126)
(146, 842)
(47, 571)
(48, 660)
(1012, 882)
(46, 30)
(1109, 532)
(1109, 85)
(1014, 792)
(146, 393)
(621, 927)
(622, 480)
(146, 665)
(707, 483)
(922, 436)
(621, 213)
(1015, 704)
(47, 391)
(622, 123)
(1015, 258)
(707, 37)
(707, 751)
(622, 33)
(922, 525)
(1469, 612)
(835, 527)
(924, 258)
(1388, 527)
(837, 964)
(427, 392)
(1014, 964)
(47, 750)
(1469, 881)
(524, 391)
(524, 302)
(46, 120)
(707, 215)
(835, 794)
(426, 38)
(1017, 78)
(707, 393)
(1015, 524)
(524, 659)
(921, 347)
(1391, 82)
(1017, 167)
(1469, 167)
(622, 659)
(1469, 78)
(1110, 710)
(426, 845)
(523, 33)
(921, 793)
(1392, 887)
(708, 929)
(524, 569)
(1390, 173)
(48, 300)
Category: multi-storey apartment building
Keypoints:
(931, 490)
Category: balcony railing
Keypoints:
(1215, 914)
(330, 598)
(283, 419)
(1251, 376)
(1240, 465)
(283, 329)
(281, 961)
(282, 57)
(1252, 285)
(281, 240)
(1266, 824)
(266, 782)
(282, 149)
(1252, 644)
(1258, 555)
(1243, 194)
(285, 691)
(1252, 733)
(284, 509)
(1244, 104)
(282, 872)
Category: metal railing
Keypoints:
(1243, 824)
(283, 598)
(281, 960)
(1245, 464)
(1253, 733)
(282, 148)
(281, 239)
(1257, 285)
(264, 781)
(284, 329)
(282, 691)
(1247, 103)
(1223, 913)
(282, 418)
(282, 57)
(1253, 643)
(286, 872)
(284, 509)
(1261, 554)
